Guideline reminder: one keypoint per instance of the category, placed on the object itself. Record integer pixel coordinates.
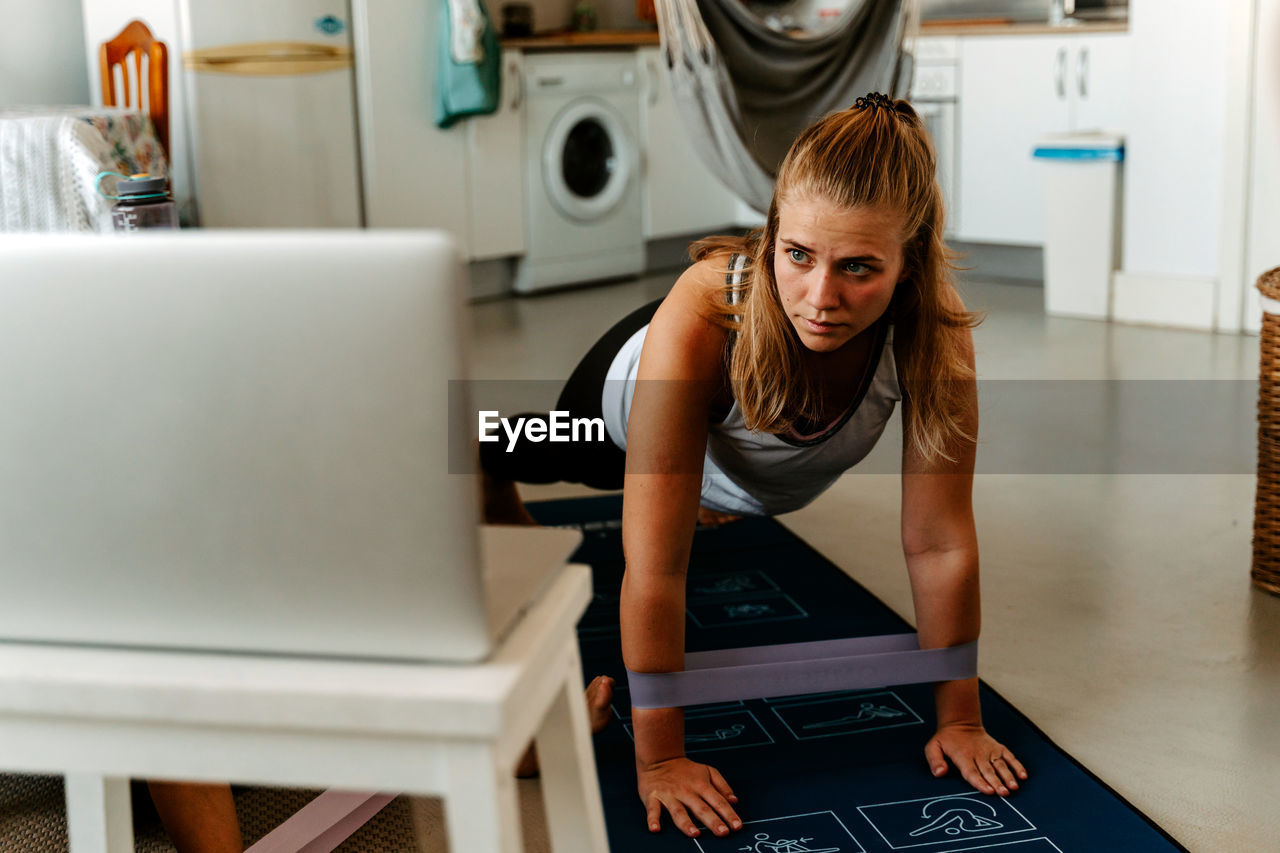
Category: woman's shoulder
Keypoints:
(687, 328)
(713, 271)
(700, 289)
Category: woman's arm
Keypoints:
(679, 374)
(940, 543)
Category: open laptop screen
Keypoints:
(236, 441)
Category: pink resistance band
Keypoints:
(721, 676)
(324, 823)
(825, 666)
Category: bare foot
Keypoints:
(711, 518)
(599, 697)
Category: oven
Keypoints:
(935, 96)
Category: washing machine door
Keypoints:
(588, 160)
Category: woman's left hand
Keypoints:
(983, 762)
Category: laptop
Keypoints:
(245, 442)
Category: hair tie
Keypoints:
(874, 100)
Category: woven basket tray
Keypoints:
(1266, 512)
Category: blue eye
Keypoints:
(858, 269)
(796, 252)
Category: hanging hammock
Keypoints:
(745, 91)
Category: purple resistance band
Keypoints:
(825, 666)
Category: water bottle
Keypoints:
(142, 202)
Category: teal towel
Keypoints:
(467, 88)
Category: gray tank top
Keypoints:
(747, 472)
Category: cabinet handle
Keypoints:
(1082, 72)
(518, 80)
(1060, 73)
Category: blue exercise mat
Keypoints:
(829, 773)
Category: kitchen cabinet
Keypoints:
(1013, 91)
(681, 196)
(1099, 76)
(495, 170)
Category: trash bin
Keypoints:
(1083, 199)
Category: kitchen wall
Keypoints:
(42, 55)
(1174, 165)
(1019, 10)
(1176, 144)
(556, 14)
(1174, 152)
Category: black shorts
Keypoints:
(599, 464)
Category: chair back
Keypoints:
(137, 40)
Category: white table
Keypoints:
(101, 716)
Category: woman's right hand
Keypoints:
(682, 786)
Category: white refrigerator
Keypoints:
(271, 113)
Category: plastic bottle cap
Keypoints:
(141, 185)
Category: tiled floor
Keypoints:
(1118, 610)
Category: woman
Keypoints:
(770, 368)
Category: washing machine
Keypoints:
(582, 169)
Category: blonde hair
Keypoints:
(875, 154)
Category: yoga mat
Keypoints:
(827, 773)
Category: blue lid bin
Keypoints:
(1083, 193)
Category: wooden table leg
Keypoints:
(575, 814)
(99, 813)
(481, 811)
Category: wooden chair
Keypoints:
(136, 39)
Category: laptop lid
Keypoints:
(240, 441)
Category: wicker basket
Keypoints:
(1266, 512)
